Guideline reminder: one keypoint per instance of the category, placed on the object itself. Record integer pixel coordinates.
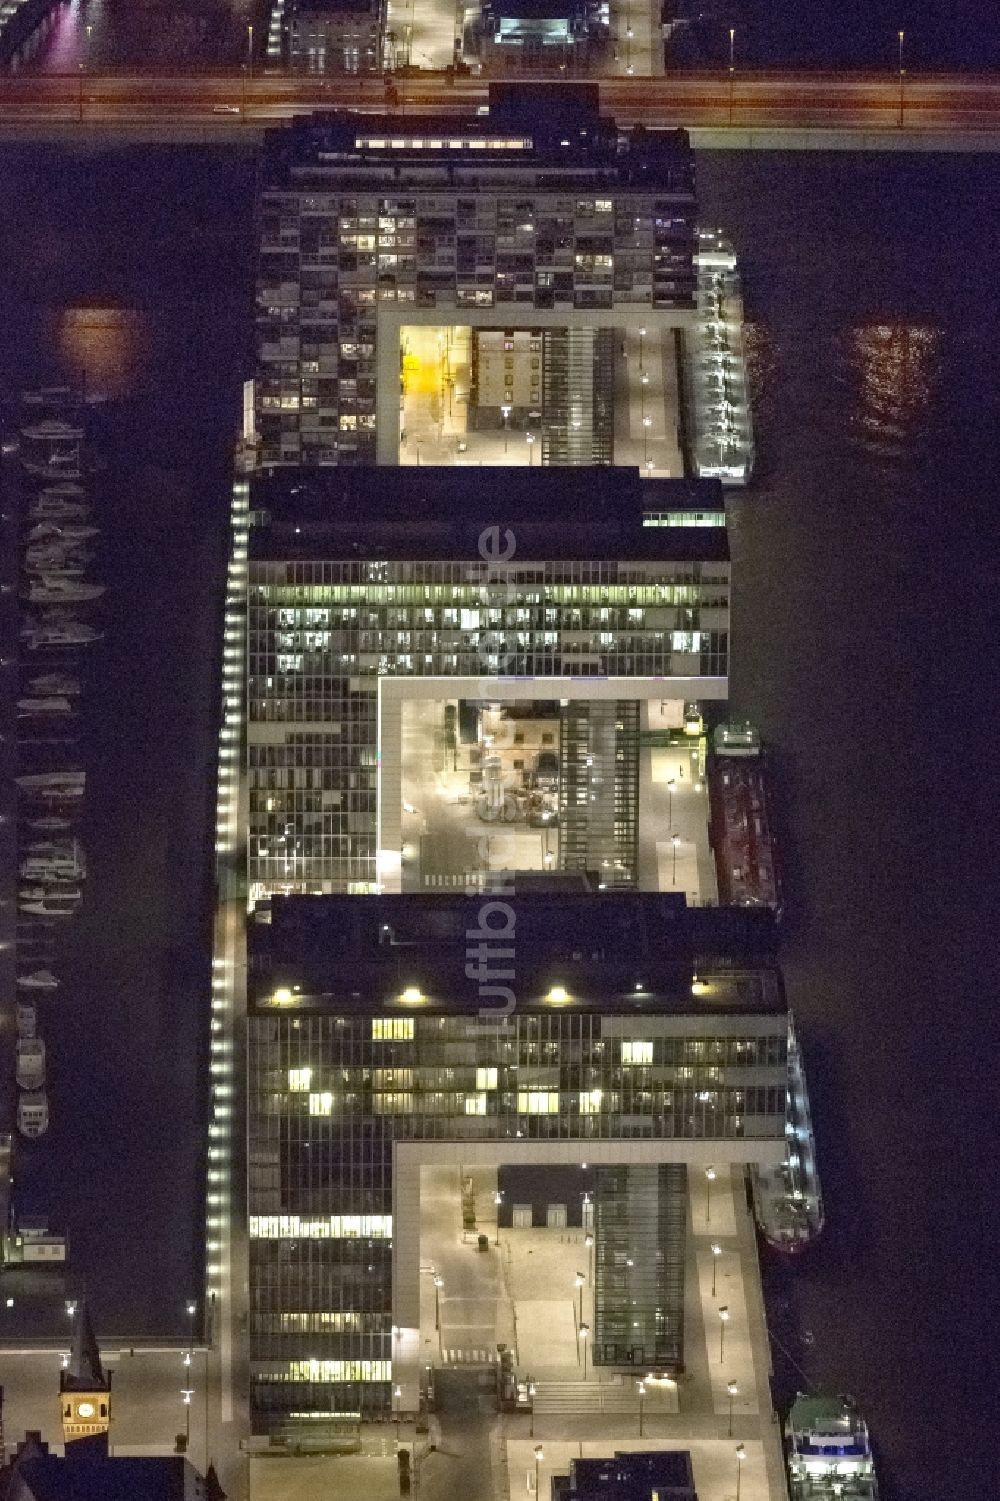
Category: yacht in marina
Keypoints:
(54, 683)
(61, 783)
(67, 529)
(57, 589)
(29, 1064)
(47, 860)
(58, 633)
(38, 979)
(33, 708)
(32, 1113)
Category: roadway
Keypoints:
(753, 108)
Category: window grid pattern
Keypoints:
(326, 259)
(320, 634)
(320, 1187)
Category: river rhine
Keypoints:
(861, 647)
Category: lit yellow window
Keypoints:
(637, 1052)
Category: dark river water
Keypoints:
(863, 647)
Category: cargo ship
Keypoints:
(742, 830)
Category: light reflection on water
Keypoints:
(894, 372)
(104, 350)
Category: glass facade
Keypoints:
(639, 1244)
(320, 634)
(331, 1091)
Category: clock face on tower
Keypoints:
(85, 1409)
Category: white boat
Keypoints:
(55, 466)
(65, 531)
(30, 707)
(39, 979)
(69, 782)
(33, 1113)
(49, 906)
(65, 491)
(56, 508)
(57, 557)
(26, 1018)
(828, 1451)
(52, 589)
(29, 1064)
(788, 1199)
(56, 864)
(54, 682)
(52, 427)
(59, 633)
(42, 888)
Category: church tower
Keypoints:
(85, 1393)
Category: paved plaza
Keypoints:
(523, 1292)
(435, 429)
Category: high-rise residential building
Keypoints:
(441, 684)
(395, 252)
(627, 1032)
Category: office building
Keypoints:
(336, 36)
(419, 714)
(391, 1037)
(394, 251)
(542, 33)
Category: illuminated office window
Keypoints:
(637, 1052)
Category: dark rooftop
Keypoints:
(45, 1477)
(664, 1474)
(561, 122)
(418, 513)
(608, 951)
(535, 10)
(307, 8)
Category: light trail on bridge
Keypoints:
(799, 101)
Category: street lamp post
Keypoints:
(642, 347)
(529, 438)
(723, 1321)
(741, 1455)
(901, 36)
(531, 1399)
(505, 413)
(674, 841)
(539, 1456)
(642, 1398)
(709, 1180)
(671, 787)
(397, 1392)
(716, 1253)
(438, 1284)
(732, 69)
(580, 1280)
(498, 1200)
(250, 49)
(584, 1331)
(588, 1241)
(187, 1392)
(731, 1389)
